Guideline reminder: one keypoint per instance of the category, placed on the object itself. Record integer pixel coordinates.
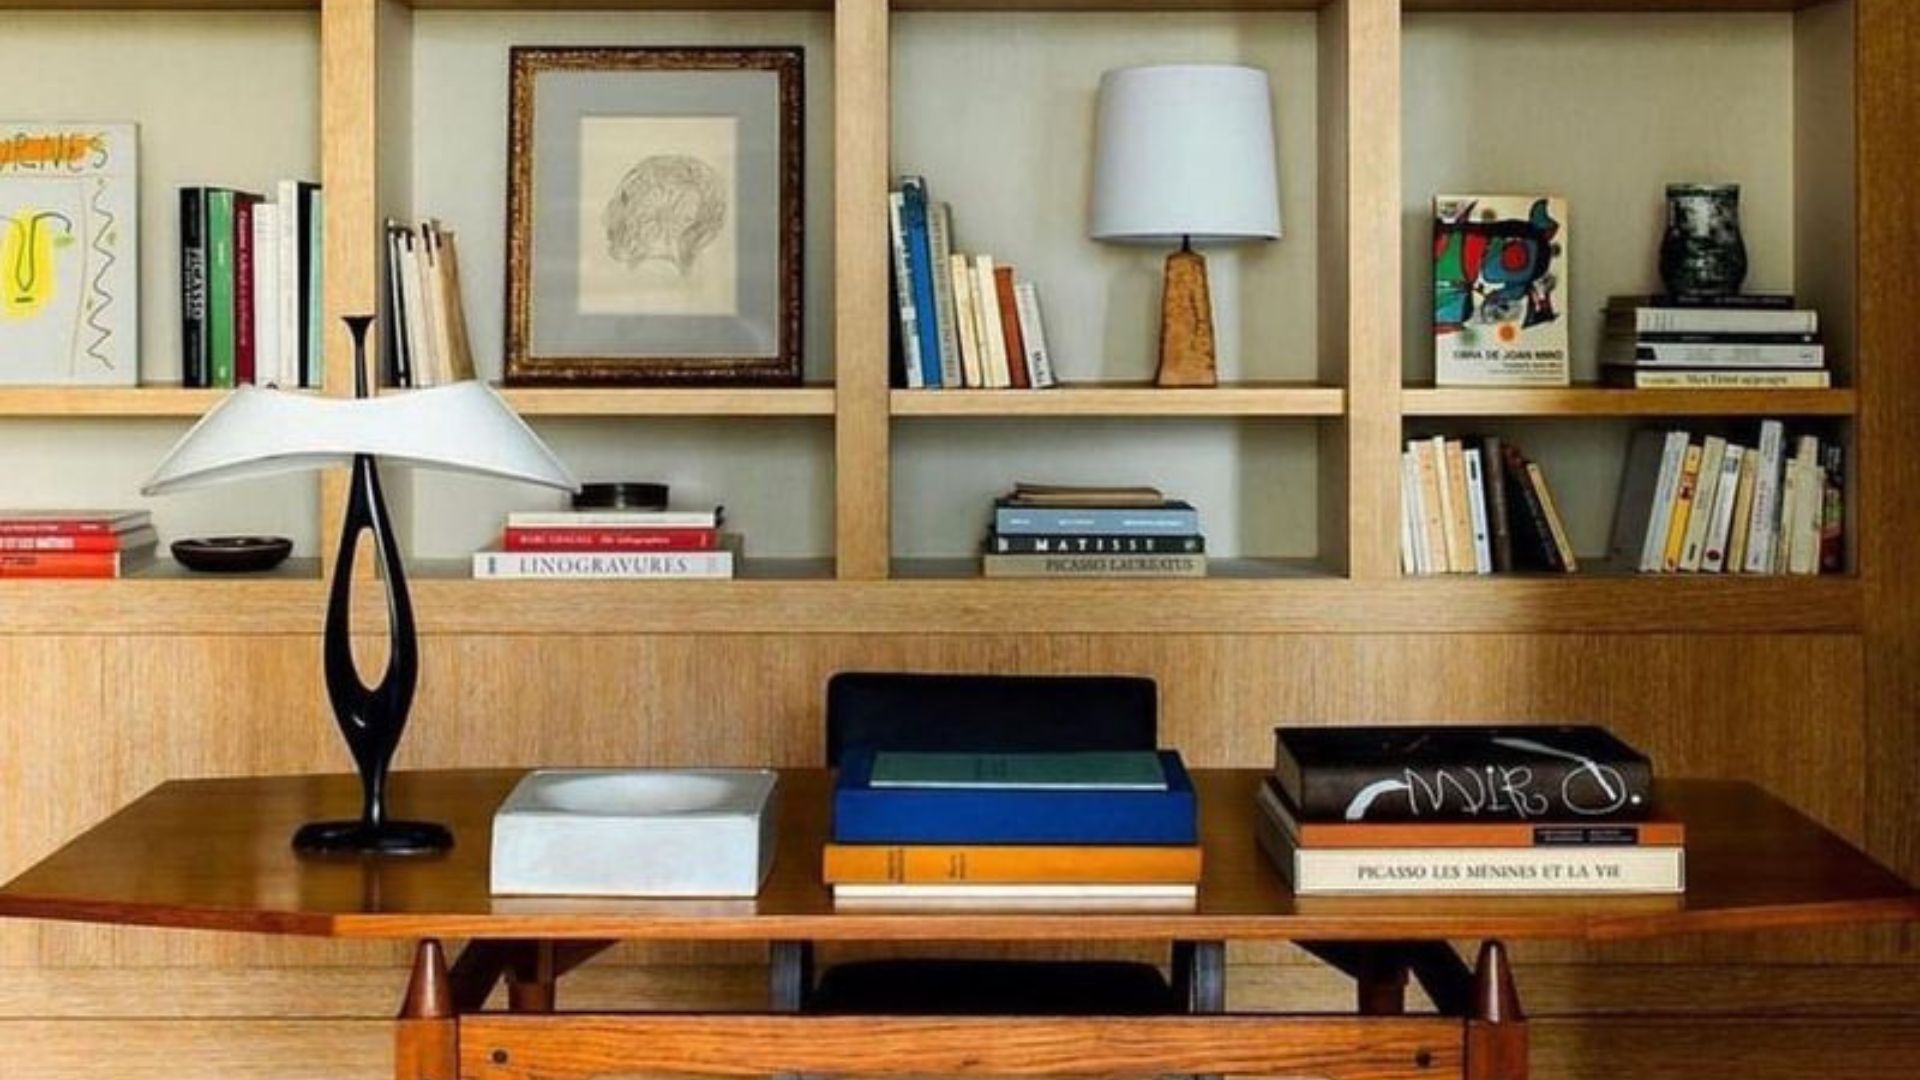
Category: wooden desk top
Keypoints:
(215, 854)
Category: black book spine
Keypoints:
(1466, 790)
(1535, 536)
(193, 287)
(1096, 545)
(1499, 522)
(305, 272)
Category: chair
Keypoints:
(1000, 713)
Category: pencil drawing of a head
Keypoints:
(668, 207)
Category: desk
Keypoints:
(214, 855)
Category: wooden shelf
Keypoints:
(813, 400)
(53, 402)
(1607, 401)
(1127, 399)
(1607, 5)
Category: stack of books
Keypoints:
(1713, 343)
(250, 284)
(599, 545)
(428, 344)
(75, 543)
(1086, 828)
(1709, 505)
(1485, 809)
(960, 320)
(1478, 506)
(1047, 530)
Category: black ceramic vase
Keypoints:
(1703, 253)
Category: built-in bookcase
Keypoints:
(861, 503)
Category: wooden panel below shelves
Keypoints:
(54, 402)
(1608, 401)
(670, 401)
(1127, 399)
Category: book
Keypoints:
(1433, 522)
(997, 893)
(1096, 770)
(220, 298)
(453, 315)
(1533, 536)
(966, 314)
(602, 565)
(1632, 353)
(1477, 511)
(1635, 320)
(1026, 493)
(291, 254)
(1460, 773)
(1018, 374)
(195, 355)
(993, 342)
(913, 190)
(1802, 526)
(1500, 282)
(864, 814)
(1742, 512)
(1556, 526)
(1833, 509)
(243, 297)
(616, 519)
(940, 239)
(1656, 830)
(92, 542)
(1701, 301)
(1033, 334)
(1005, 864)
(313, 222)
(1036, 566)
(71, 522)
(1170, 519)
(1459, 516)
(1763, 528)
(1414, 558)
(605, 539)
(266, 294)
(1713, 451)
(999, 544)
(1499, 520)
(1719, 533)
(1634, 514)
(1678, 518)
(1633, 378)
(75, 564)
(904, 312)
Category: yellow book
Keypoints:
(1742, 513)
(1460, 511)
(1554, 525)
(1683, 493)
(966, 320)
(1433, 522)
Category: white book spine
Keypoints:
(412, 295)
(600, 566)
(940, 242)
(1720, 524)
(288, 267)
(903, 291)
(1764, 528)
(1412, 559)
(1727, 321)
(1477, 512)
(1653, 551)
(993, 338)
(266, 295)
(1452, 559)
(1568, 870)
(1705, 494)
(966, 320)
(1033, 333)
(1791, 357)
(1803, 555)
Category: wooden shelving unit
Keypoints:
(670, 401)
(49, 402)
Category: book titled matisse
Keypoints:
(1500, 290)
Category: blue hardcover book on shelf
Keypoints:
(864, 814)
(1173, 519)
(913, 213)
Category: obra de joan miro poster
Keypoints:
(69, 254)
(1500, 290)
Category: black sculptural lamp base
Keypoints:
(323, 838)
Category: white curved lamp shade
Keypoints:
(463, 427)
(1184, 150)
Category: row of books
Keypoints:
(604, 545)
(960, 320)
(1708, 505)
(1478, 506)
(1049, 530)
(75, 543)
(1077, 828)
(1465, 810)
(250, 285)
(427, 343)
(1753, 342)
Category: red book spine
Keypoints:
(55, 527)
(243, 325)
(59, 564)
(612, 539)
(1010, 328)
(85, 542)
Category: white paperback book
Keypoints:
(1653, 551)
(993, 338)
(1720, 521)
(966, 316)
(1412, 559)
(1477, 512)
(266, 295)
(1033, 334)
(1764, 530)
(603, 566)
(287, 196)
(1450, 560)
(1706, 490)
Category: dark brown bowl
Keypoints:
(232, 554)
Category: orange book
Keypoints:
(1010, 327)
(59, 564)
(982, 864)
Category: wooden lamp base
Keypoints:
(1186, 323)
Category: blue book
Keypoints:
(1173, 519)
(913, 213)
(864, 814)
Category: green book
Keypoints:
(221, 342)
(1098, 770)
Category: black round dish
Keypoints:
(232, 554)
(621, 495)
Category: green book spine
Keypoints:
(220, 267)
(1086, 770)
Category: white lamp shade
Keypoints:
(463, 427)
(1184, 150)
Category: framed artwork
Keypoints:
(69, 248)
(654, 215)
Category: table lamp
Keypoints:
(1184, 153)
(462, 426)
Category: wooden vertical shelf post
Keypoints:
(1360, 283)
(426, 1039)
(862, 494)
